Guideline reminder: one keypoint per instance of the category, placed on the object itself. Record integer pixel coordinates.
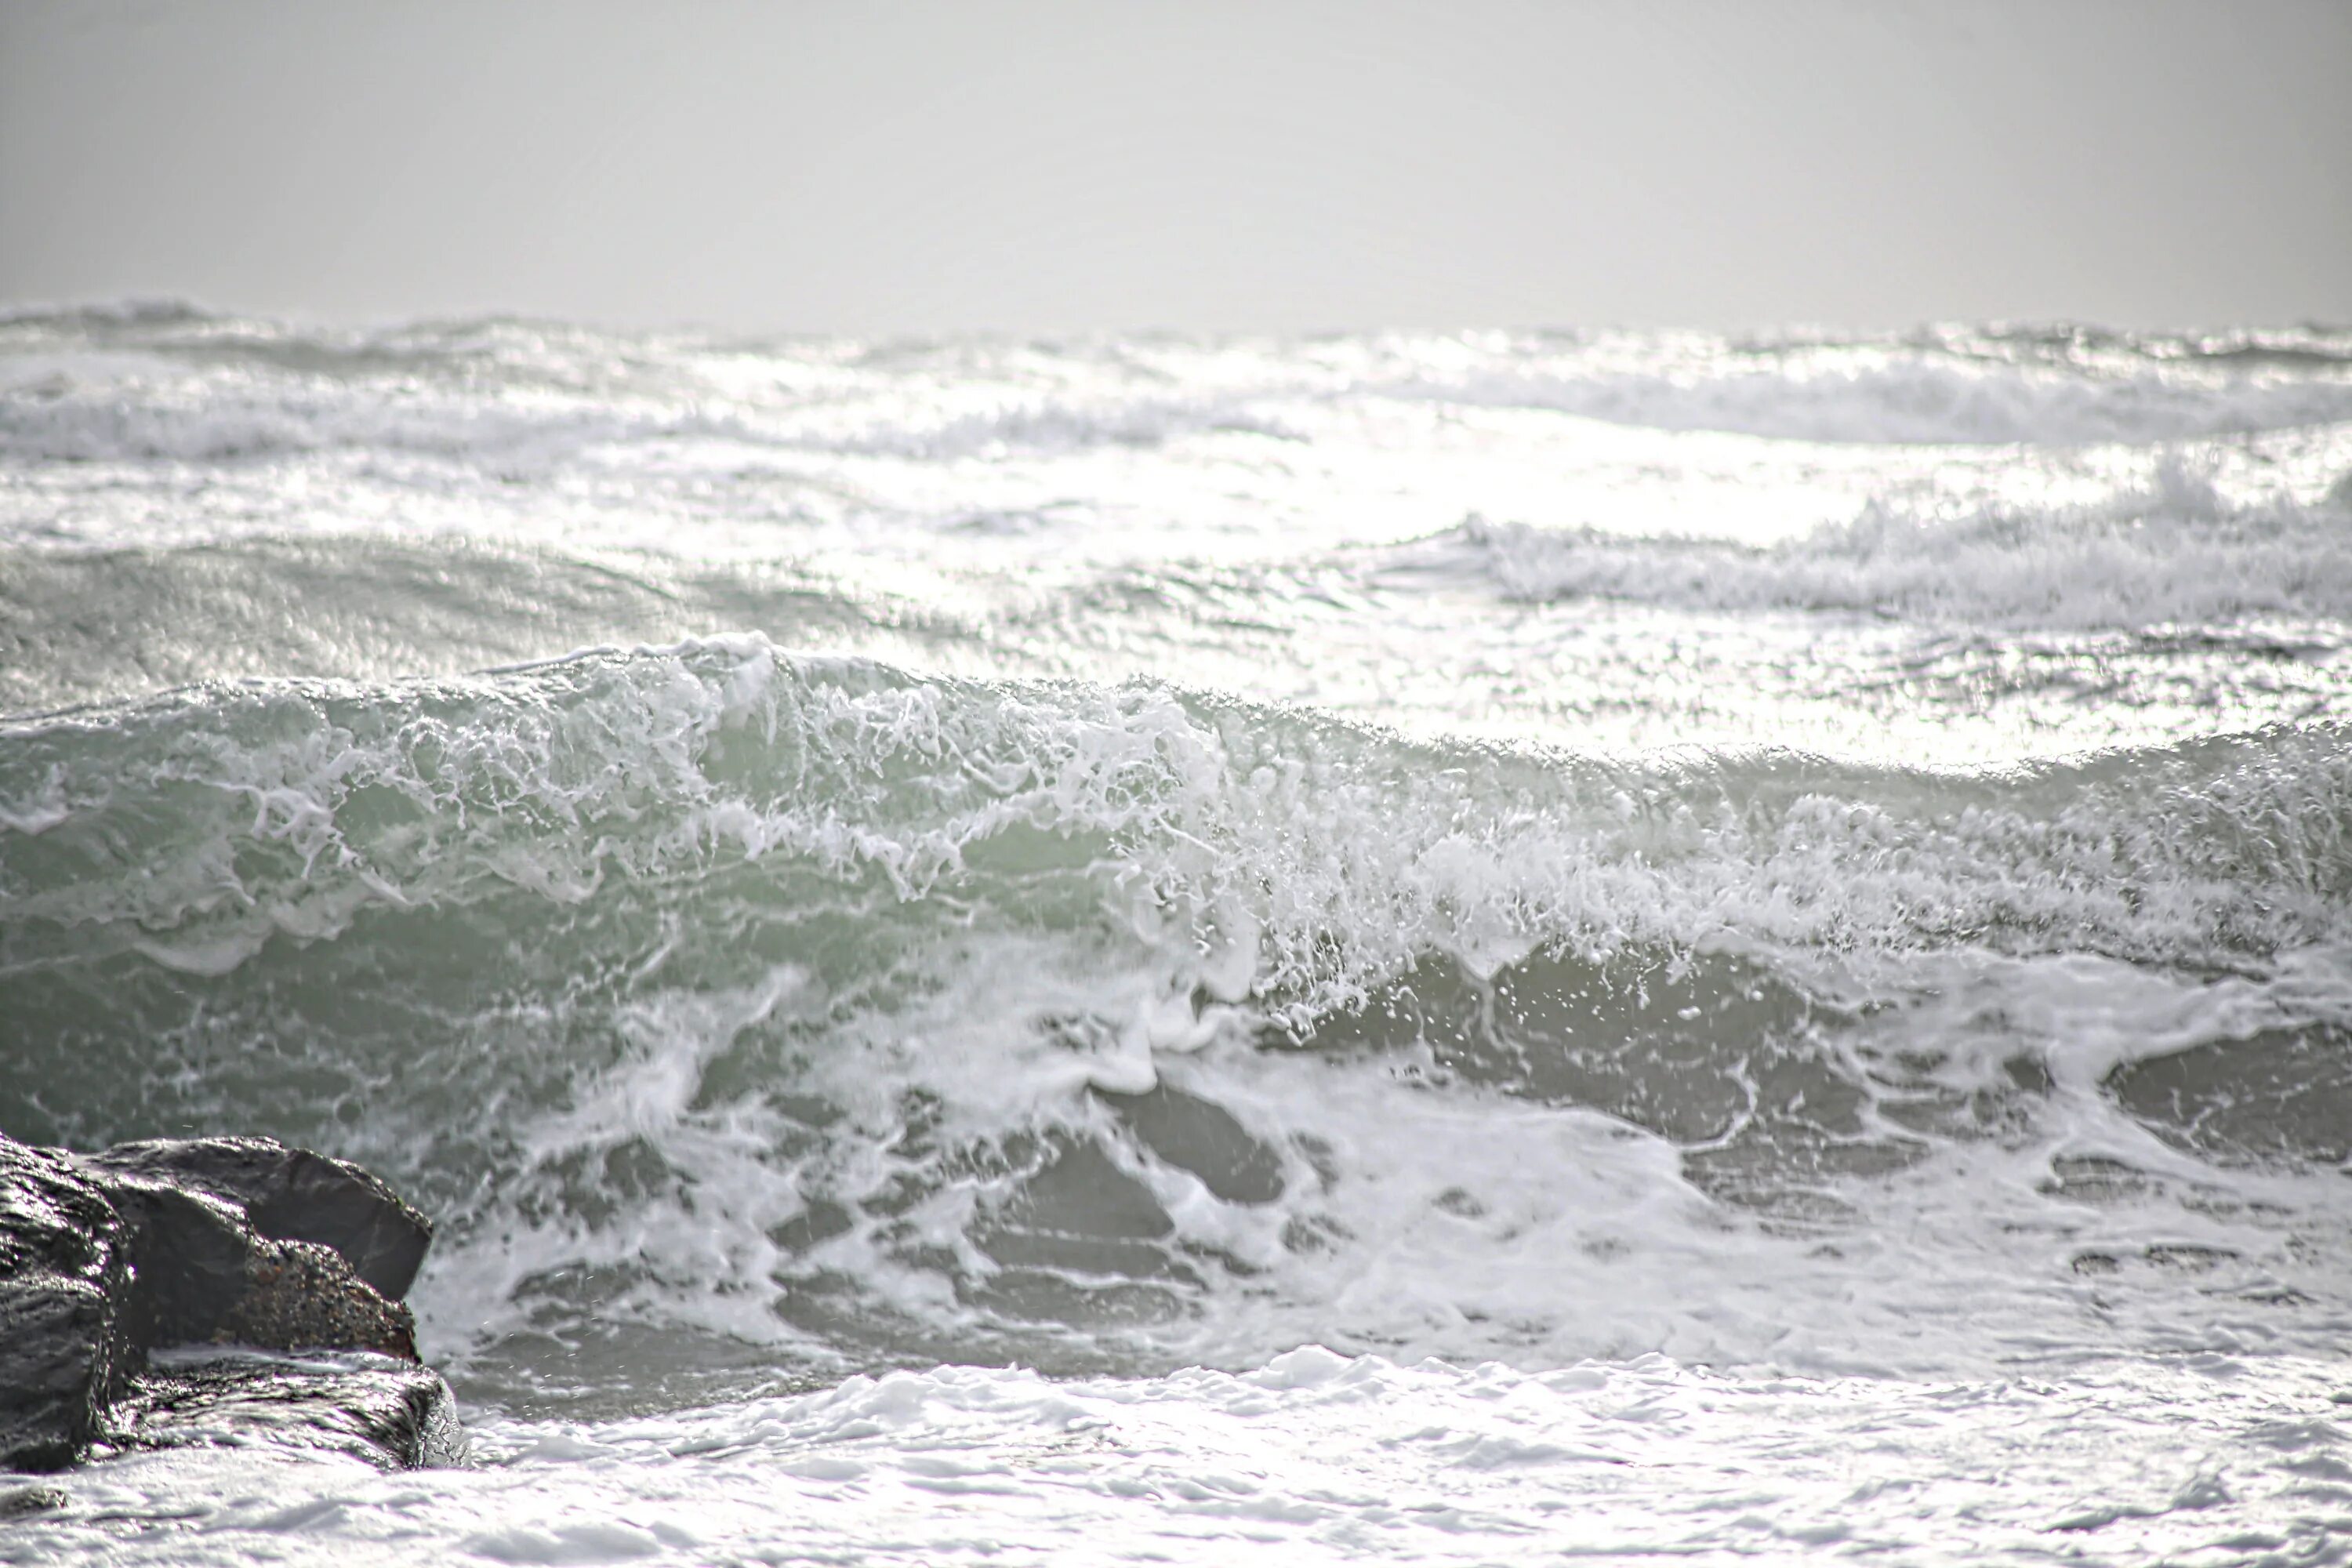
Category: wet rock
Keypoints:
(203, 1275)
(216, 1241)
(15, 1503)
(64, 1279)
(393, 1413)
(299, 1293)
(290, 1194)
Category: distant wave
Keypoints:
(163, 381)
(1913, 403)
(2174, 554)
(168, 413)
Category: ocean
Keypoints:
(1451, 947)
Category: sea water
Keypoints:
(1458, 947)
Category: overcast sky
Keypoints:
(889, 168)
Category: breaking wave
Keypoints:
(747, 1010)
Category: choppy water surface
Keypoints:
(1457, 947)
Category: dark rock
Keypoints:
(15, 1503)
(292, 1195)
(204, 1277)
(65, 1277)
(299, 1293)
(394, 1414)
(190, 1252)
(104, 1259)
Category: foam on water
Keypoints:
(1313, 1453)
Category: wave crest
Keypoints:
(2176, 554)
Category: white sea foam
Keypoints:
(1312, 1454)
